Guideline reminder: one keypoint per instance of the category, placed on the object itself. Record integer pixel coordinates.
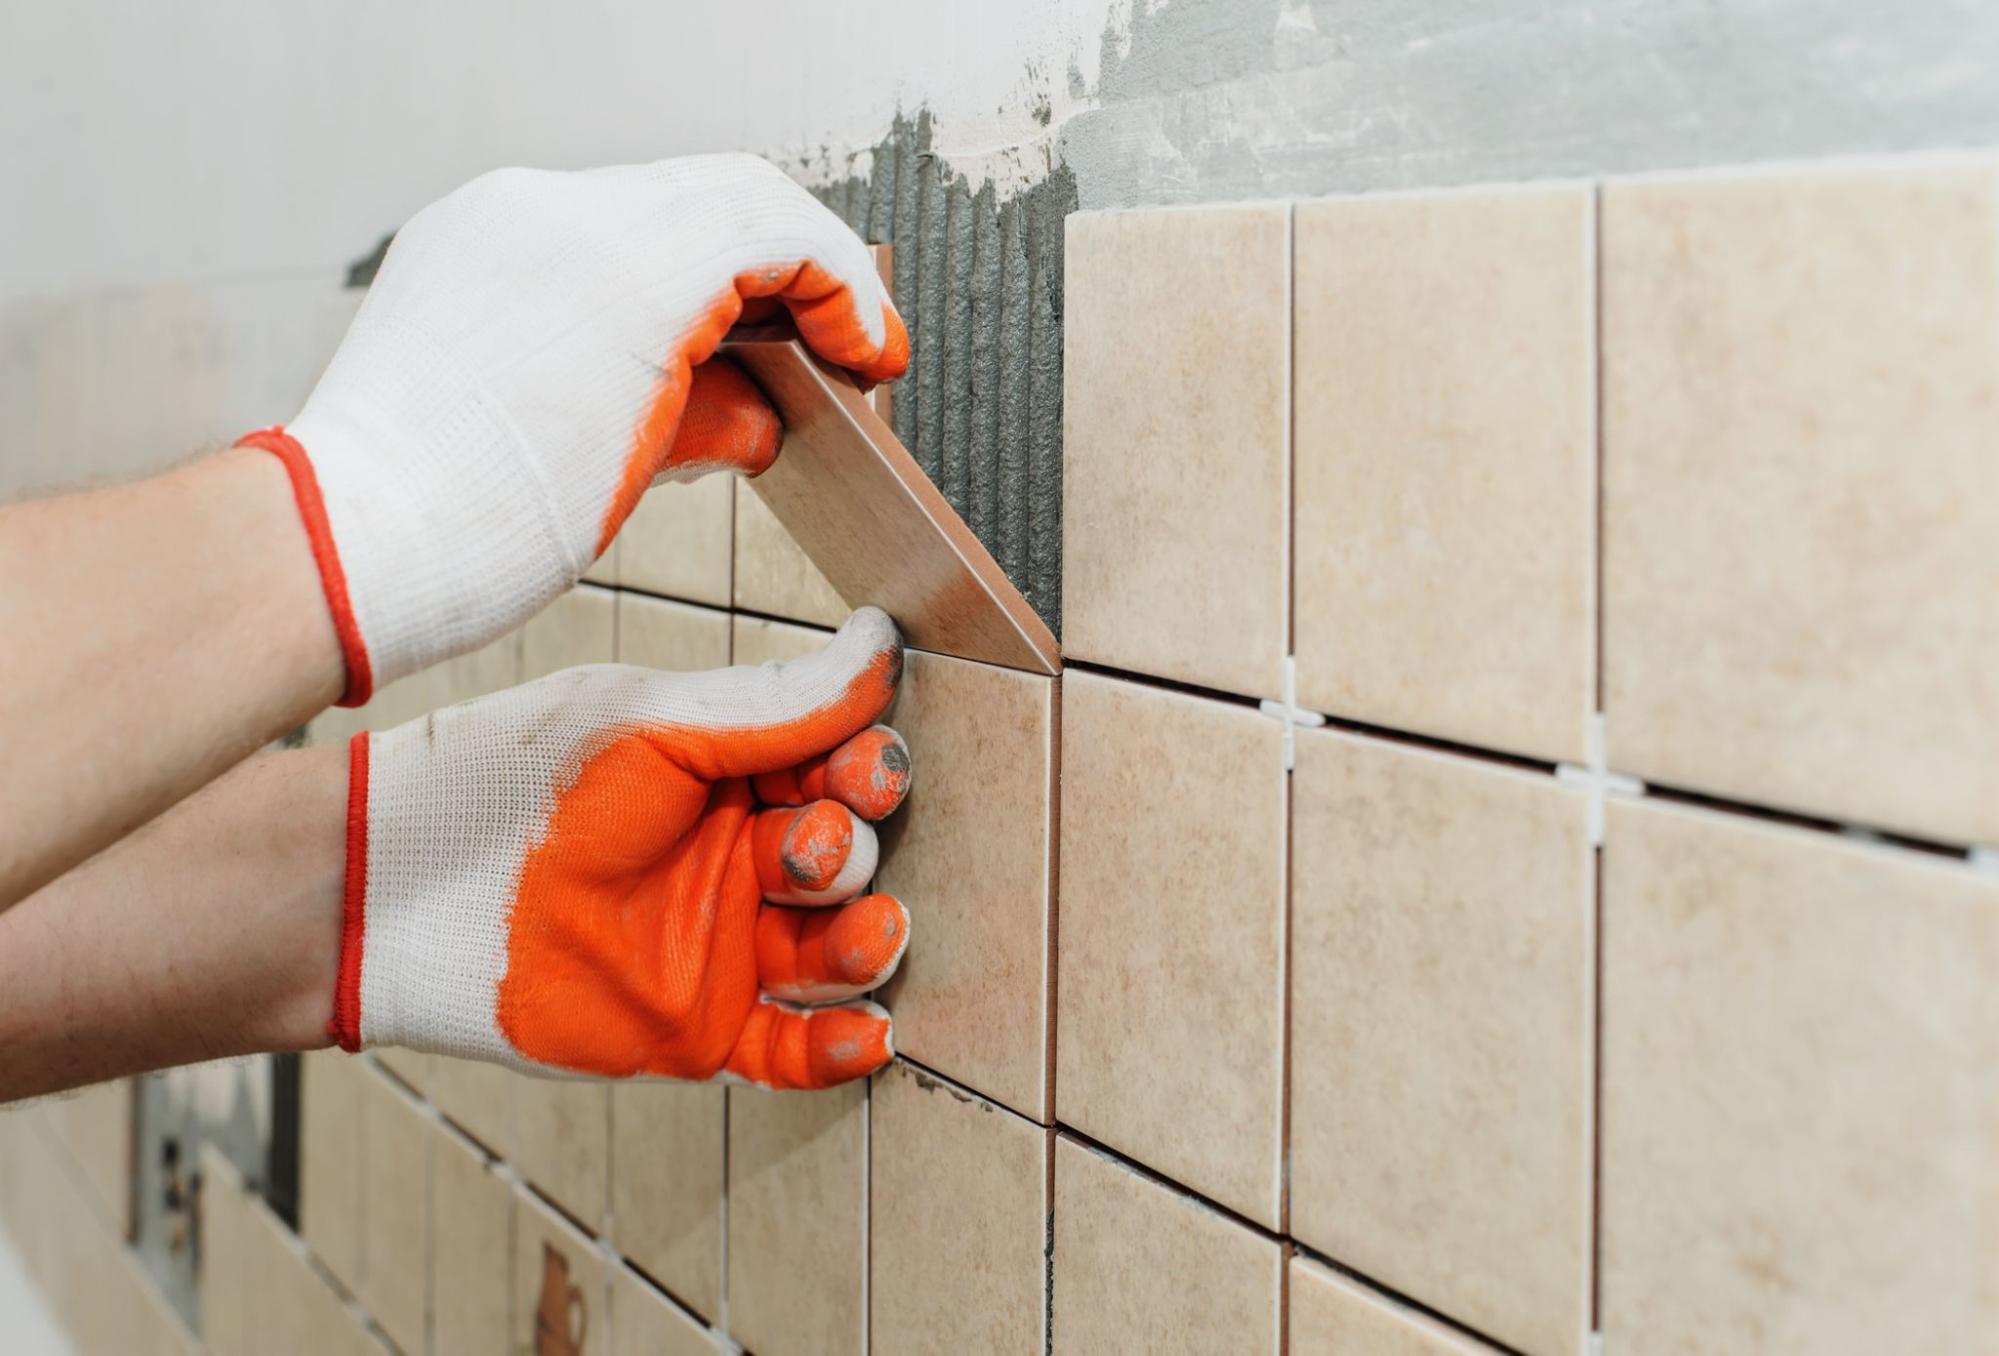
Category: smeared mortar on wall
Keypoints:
(979, 280)
(1212, 100)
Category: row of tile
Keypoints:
(1371, 432)
(1780, 1010)
(51, 1209)
(960, 1213)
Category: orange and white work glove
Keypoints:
(518, 376)
(632, 874)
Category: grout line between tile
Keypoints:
(1158, 1178)
(964, 1091)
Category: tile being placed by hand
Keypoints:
(1170, 1034)
(959, 1208)
(969, 856)
(1176, 410)
(1139, 1266)
(1799, 1112)
(773, 573)
(1441, 1012)
(1801, 597)
(797, 1219)
(1446, 464)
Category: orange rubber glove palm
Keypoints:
(577, 875)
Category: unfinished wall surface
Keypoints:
(1509, 865)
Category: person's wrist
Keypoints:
(306, 846)
(294, 623)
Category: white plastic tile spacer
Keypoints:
(1289, 714)
(1593, 1344)
(1596, 779)
(1983, 860)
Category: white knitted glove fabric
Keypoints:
(562, 878)
(514, 377)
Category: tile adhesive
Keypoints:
(979, 283)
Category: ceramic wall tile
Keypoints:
(1170, 1036)
(1801, 602)
(798, 1219)
(561, 1141)
(647, 1323)
(1333, 1313)
(756, 641)
(396, 1211)
(1446, 464)
(1176, 410)
(666, 635)
(472, 1249)
(678, 541)
(1441, 1014)
(580, 627)
(958, 1191)
(773, 574)
(96, 1127)
(668, 1156)
(969, 855)
(332, 1161)
(1139, 1266)
(263, 1289)
(561, 1285)
(477, 1097)
(1798, 1104)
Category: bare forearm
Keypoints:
(156, 634)
(213, 931)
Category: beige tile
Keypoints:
(668, 1150)
(1801, 596)
(395, 1208)
(580, 627)
(476, 1097)
(411, 1066)
(471, 1257)
(561, 1289)
(958, 1220)
(1139, 1266)
(1170, 1039)
(666, 635)
(1175, 417)
(1446, 464)
(454, 680)
(678, 541)
(1800, 1123)
(331, 1161)
(1331, 1313)
(797, 1219)
(96, 1126)
(647, 1323)
(1441, 1010)
(968, 853)
(773, 573)
(562, 1141)
(756, 641)
(258, 1286)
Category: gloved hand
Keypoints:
(576, 875)
(519, 375)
